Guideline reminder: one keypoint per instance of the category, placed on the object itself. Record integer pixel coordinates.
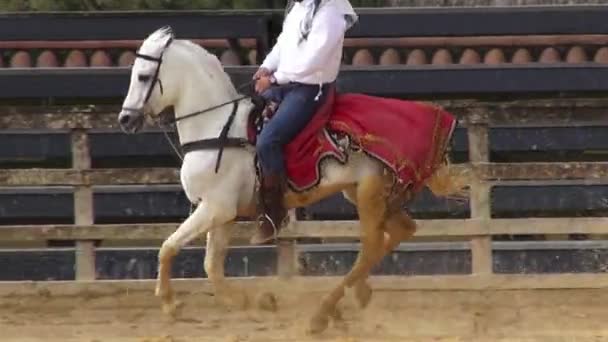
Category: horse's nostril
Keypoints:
(124, 119)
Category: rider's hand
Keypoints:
(263, 83)
(262, 72)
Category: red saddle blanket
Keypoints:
(409, 137)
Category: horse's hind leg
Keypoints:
(398, 227)
(371, 208)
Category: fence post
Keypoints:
(83, 206)
(287, 256)
(481, 246)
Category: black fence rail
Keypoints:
(263, 24)
(65, 85)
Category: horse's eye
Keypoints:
(144, 78)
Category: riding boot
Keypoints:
(271, 209)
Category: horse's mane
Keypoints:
(159, 36)
(212, 64)
(210, 61)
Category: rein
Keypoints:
(189, 115)
(221, 142)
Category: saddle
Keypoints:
(314, 142)
(264, 110)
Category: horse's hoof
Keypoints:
(338, 320)
(363, 294)
(162, 291)
(337, 315)
(340, 325)
(318, 324)
(233, 299)
(242, 300)
(236, 299)
(267, 301)
(172, 308)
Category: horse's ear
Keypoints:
(168, 30)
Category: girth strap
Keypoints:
(220, 142)
(213, 143)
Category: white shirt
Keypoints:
(317, 59)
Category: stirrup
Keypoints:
(275, 234)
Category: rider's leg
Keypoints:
(295, 111)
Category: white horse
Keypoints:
(180, 74)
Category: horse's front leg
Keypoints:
(218, 241)
(204, 218)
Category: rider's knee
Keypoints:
(261, 145)
(265, 142)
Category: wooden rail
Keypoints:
(534, 112)
(479, 229)
(494, 173)
(472, 227)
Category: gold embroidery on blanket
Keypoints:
(400, 162)
(441, 136)
(433, 148)
(438, 138)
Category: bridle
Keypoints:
(220, 142)
(155, 79)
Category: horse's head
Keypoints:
(173, 73)
(150, 90)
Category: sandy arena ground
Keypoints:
(409, 316)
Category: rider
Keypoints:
(298, 73)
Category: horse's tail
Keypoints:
(449, 181)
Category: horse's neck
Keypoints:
(209, 124)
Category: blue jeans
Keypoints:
(296, 109)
